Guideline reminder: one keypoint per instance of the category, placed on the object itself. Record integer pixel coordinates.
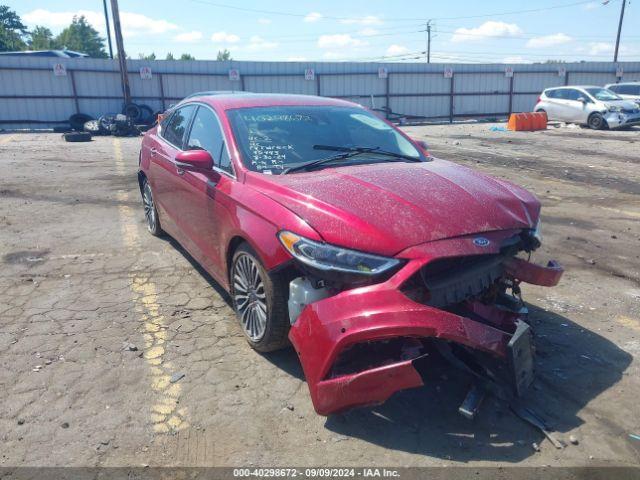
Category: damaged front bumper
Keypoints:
(360, 346)
(622, 119)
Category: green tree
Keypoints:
(12, 30)
(187, 56)
(151, 56)
(170, 56)
(82, 37)
(41, 39)
(223, 55)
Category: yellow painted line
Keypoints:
(6, 139)
(164, 413)
(628, 322)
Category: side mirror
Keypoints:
(422, 144)
(194, 160)
(582, 100)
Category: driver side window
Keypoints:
(206, 135)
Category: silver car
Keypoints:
(596, 107)
(626, 90)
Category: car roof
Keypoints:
(233, 100)
(632, 82)
(573, 86)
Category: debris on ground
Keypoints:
(130, 347)
(176, 377)
(573, 439)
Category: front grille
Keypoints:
(452, 280)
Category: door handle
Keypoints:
(180, 171)
(153, 151)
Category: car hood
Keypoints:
(627, 104)
(387, 207)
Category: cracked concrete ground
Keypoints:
(99, 320)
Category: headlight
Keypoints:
(329, 258)
(615, 109)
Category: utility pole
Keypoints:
(106, 21)
(615, 55)
(122, 60)
(429, 41)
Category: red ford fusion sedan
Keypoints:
(335, 232)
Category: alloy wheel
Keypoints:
(249, 297)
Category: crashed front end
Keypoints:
(359, 345)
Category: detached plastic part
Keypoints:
(302, 293)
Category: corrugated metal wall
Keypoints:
(32, 96)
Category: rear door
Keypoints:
(163, 169)
(553, 105)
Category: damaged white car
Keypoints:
(596, 107)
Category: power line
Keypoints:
(398, 19)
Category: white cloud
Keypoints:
(600, 48)
(132, 23)
(224, 37)
(334, 55)
(490, 29)
(188, 37)
(340, 40)
(257, 43)
(549, 40)
(366, 20)
(366, 32)
(264, 21)
(296, 59)
(395, 50)
(313, 17)
(592, 6)
(515, 59)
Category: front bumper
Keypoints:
(619, 119)
(331, 326)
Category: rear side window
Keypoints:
(176, 127)
(552, 93)
(627, 89)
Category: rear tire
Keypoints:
(259, 300)
(150, 210)
(596, 121)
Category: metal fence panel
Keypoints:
(31, 95)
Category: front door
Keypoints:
(203, 196)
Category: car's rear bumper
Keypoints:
(329, 327)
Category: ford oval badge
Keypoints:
(481, 241)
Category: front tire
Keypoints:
(260, 301)
(150, 210)
(596, 121)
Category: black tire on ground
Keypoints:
(77, 137)
(596, 121)
(275, 287)
(150, 210)
(132, 111)
(77, 121)
(146, 115)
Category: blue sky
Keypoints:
(462, 31)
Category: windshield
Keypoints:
(273, 139)
(602, 94)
